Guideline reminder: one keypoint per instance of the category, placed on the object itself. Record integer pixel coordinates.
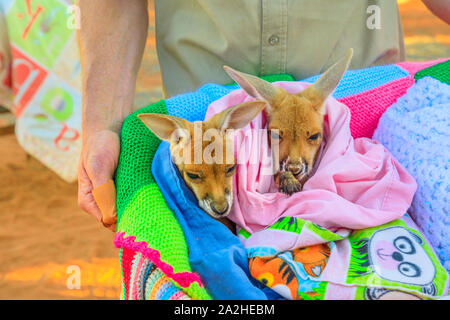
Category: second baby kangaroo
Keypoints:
(295, 121)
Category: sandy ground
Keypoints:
(43, 233)
(45, 239)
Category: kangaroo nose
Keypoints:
(296, 167)
(219, 209)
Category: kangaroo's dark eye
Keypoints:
(314, 136)
(231, 169)
(275, 134)
(192, 176)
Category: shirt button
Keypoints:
(273, 40)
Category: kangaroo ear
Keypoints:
(327, 83)
(254, 86)
(165, 127)
(238, 116)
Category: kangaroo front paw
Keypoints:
(288, 183)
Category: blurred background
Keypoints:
(43, 233)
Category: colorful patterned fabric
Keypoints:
(146, 281)
(416, 129)
(412, 67)
(303, 261)
(39, 65)
(145, 222)
(439, 71)
(145, 218)
(215, 253)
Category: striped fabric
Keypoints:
(142, 280)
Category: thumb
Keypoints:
(100, 166)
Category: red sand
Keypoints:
(42, 231)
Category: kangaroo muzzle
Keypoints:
(217, 207)
(297, 167)
(220, 209)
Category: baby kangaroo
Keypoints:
(204, 152)
(295, 121)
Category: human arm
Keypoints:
(111, 38)
(440, 8)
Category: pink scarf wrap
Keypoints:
(356, 183)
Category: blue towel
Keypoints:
(216, 254)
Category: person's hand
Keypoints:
(97, 165)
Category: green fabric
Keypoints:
(440, 71)
(141, 209)
(138, 146)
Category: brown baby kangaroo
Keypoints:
(295, 121)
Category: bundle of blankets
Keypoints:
(371, 223)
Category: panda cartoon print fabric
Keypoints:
(397, 255)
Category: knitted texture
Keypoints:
(142, 212)
(146, 281)
(367, 92)
(367, 107)
(183, 278)
(145, 223)
(136, 141)
(416, 130)
(439, 71)
(412, 67)
(357, 81)
(192, 106)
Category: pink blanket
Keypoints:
(357, 183)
